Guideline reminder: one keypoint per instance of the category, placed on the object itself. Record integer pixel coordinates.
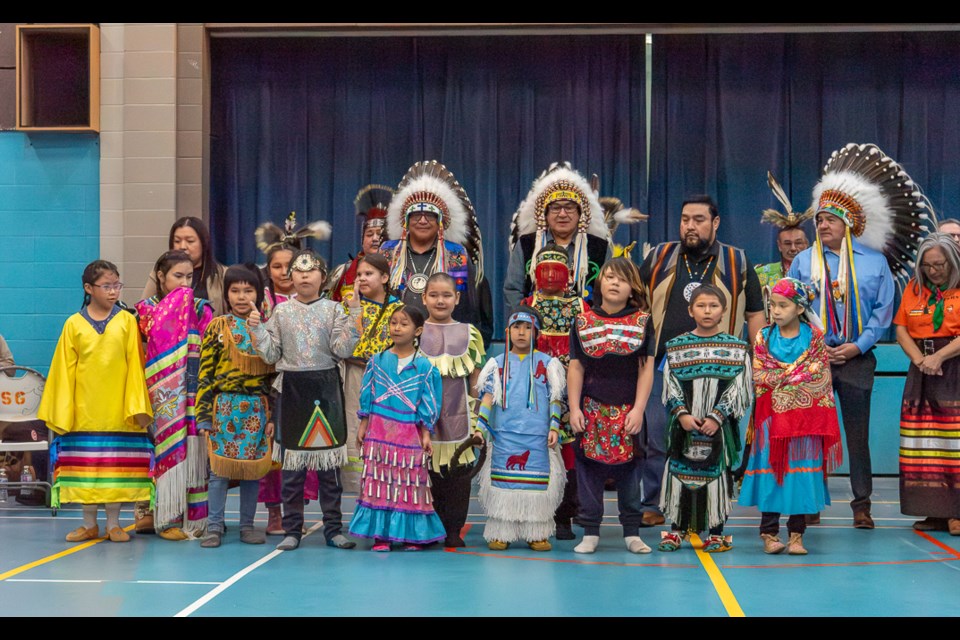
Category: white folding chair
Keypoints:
(20, 391)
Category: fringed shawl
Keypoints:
(173, 326)
(797, 399)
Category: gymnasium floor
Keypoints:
(891, 571)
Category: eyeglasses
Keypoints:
(116, 286)
(934, 266)
(429, 217)
(556, 207)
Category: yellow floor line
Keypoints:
(56, 556)
(723, 589)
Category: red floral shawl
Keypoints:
(797, 399)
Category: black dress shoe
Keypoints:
(454, 541)
(565, 532)
(862, 520)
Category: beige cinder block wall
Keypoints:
(151, 120)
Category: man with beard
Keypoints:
(670, 273)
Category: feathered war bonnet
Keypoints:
(268, 235)
(371, 205)
(561, 182)
(432, 188)
(882, 207)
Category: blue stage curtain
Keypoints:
(302, 124)
(726, 108)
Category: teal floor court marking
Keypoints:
(891, 571)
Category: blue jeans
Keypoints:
(217, 502)
(654, 445)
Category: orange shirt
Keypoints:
(917, 316)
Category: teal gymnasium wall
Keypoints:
(50, 217)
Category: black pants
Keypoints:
(591, 477)
(770, 523)
(853, 385)
(451, 500)
(569, 506)
(329, 494)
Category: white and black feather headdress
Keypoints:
(561, 181)
(430, 185)
(879, 202)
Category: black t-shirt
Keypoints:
(612, 378)
(677, 320)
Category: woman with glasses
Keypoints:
(928, 331)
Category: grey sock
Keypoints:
(289, 543)
(341, 541)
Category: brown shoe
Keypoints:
(862, 520)
(143, 518)
(931, 524)
(795, 546)
(652, 518)
(953, 526)
(274, 522)
(812, 518)
(118, 535)
(81, 534)
(771, 543)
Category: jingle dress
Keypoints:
(396, 502)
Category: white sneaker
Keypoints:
(636, 545)
(588, 544)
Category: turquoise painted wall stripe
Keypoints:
(50, 217)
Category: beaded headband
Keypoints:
(845, 207)
(307, 262)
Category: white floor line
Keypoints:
(223, 586)
(169, 582)
(39, 580)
